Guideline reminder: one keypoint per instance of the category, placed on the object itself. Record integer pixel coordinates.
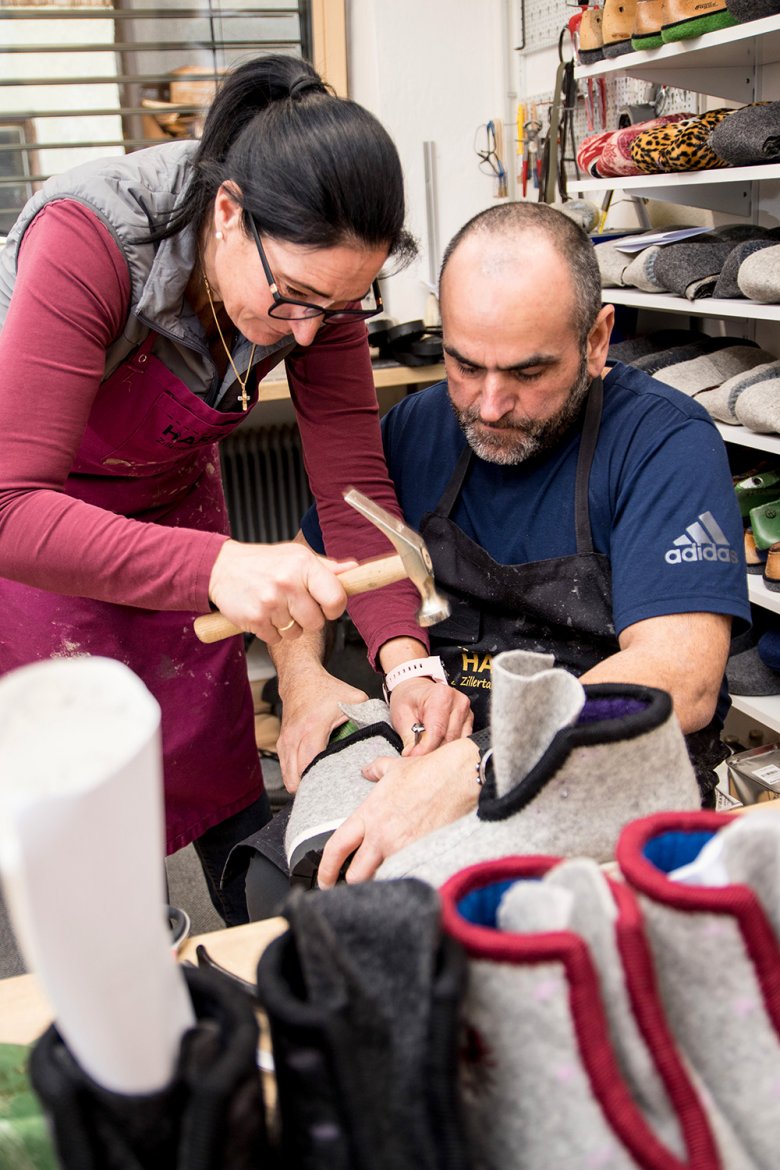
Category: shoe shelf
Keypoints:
(742, 437)
(729, 189)
(760, 595)
(726, 64)
(742, 310)
(765, 709)
(720, 63)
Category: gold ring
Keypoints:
(283, 629)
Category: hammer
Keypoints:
(411, 560)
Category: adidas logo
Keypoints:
(704, 540)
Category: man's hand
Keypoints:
(444, 712)
(310, 714)
(412, 797)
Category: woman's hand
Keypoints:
(275, 590)
(310, 714)
(443, 711)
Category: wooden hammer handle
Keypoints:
(213, 627)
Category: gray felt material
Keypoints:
(368, 957)
(685, 268)
(579, 795)
(612, 265)
(749, 135)
(758, 407)
(630, 350)
(525, 1048)
(641, 272)
(531, 700)
(726, 284)
(747, 674)
(518, 1013)
(712, 369)
(744, 10)
(759, 275)
(634, 349)
(722, 402)
(333, 786)
(592, 915)
(671, 357)
(711, 982)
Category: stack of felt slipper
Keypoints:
(748, 136)
(674, 143)
(735, 380)
(730, 261)
(624, 26)
(609, 152)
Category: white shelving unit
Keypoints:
(707, 307)
(739, 64)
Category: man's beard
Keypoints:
(520, 439)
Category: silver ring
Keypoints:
(482, 766)
(283, 629)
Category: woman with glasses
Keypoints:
(142, 300)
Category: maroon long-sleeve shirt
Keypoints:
(62, 319)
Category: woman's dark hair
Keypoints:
(312, 168)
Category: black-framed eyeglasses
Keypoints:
(291, 310)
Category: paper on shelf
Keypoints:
(647, 239)
(81, 857)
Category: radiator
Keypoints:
(265, 483)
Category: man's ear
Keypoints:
(598, 340)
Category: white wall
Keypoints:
(432, 70)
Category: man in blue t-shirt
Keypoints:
(594, 521)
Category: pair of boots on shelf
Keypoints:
(623, 26)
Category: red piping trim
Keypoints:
(738, 901)
(589, 1018)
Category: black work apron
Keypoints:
(560, 606)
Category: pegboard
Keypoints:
(620, 93)
(540, 21)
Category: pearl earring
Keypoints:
(218, 235)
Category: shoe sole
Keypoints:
(696, 26)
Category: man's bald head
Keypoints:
(508, 239)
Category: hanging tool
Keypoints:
(533, 163)
(522, 172)
(561, 131)
(494, 155)
(411, 560)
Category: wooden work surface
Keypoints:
(25, 1012)
(276, 389)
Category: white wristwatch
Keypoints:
(415, 668)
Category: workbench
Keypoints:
(25, 1012)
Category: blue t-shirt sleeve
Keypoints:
(310, 527)
(676, 544)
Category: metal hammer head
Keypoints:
(410, 547)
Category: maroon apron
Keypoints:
(149, 453)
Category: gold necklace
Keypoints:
(241, 381)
